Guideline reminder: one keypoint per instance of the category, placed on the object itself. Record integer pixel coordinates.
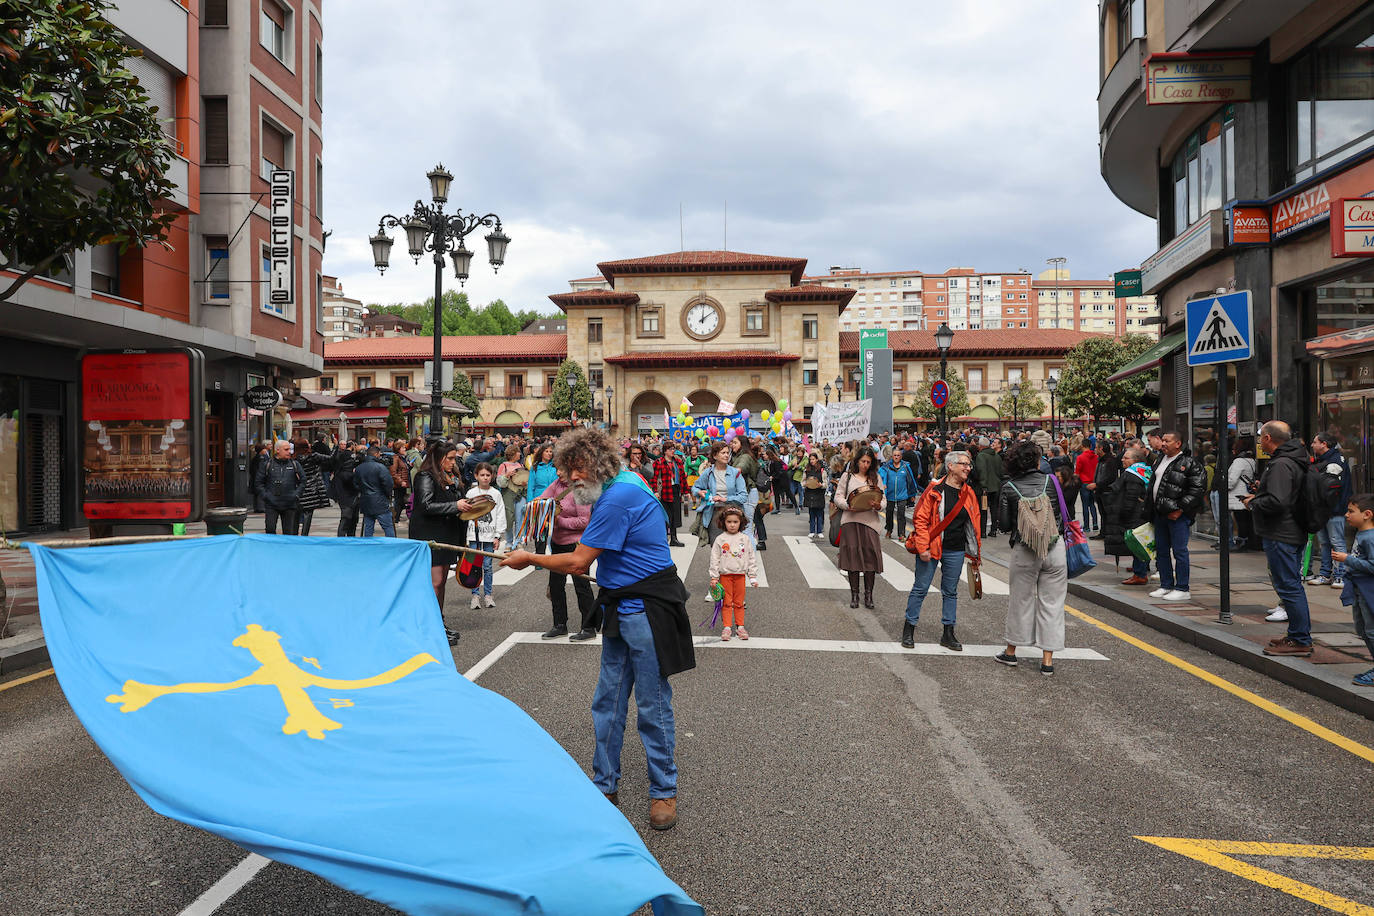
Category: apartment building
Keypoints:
(344, 318)
(239, 83)
(1092, 305)
(1242, 127)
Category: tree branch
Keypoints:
(28, 275)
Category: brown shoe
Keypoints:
(1135, 580)
(613, 798)
(1286, 646)
(662, 813)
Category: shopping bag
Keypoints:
(1141, 541)
(1078, 556)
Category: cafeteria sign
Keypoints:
(1191, 79)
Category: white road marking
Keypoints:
(818, 569)
(901, 574)
(828, 645)
(682, 556)
(507, 576)
(233, 882)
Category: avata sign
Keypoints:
(1188, 79)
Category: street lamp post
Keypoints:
(610, 408)
(854, 375)
(1057, 262)
(1015, 403)
(944, 339)
(826, 390)
(839, 387)
(429, 228)
(1052, 384)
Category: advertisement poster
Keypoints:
(142, 456)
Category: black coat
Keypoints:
(1280, 488)
(279, 482)
(434, 516)
(312, 493)
(1124, 507)
(814, 498)
(373, 480)
(1183, 486)
(345, 490)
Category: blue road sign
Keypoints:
(939, 393)
(1220, 329)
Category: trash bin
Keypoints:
(225, 520)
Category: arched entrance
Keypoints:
(757, 402)
(646, 411)
(703, 402)
(984, 412)
(507, 421)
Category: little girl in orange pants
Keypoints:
(732, 558)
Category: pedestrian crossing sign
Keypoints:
(1220, 329)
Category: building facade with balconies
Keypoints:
(1239, 126)
(344, 318)
(220, 75)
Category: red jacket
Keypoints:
(1085, 467)
(666, 473)
(928, 515)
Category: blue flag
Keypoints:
(297, 697)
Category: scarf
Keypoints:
(1141, 470)
(634, 479)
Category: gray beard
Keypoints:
(586, 493)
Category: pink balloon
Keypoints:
(744, 413)
(787, 415)
(712, 430)
(729, 435)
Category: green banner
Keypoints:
(869, 339)
(1127, 283)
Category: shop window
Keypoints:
(1331, 113)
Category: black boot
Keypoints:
(949, 640)
(908, 636)
(854, 589)
(868, 589)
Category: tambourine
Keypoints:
(481, 505)
(865, 498)
(520, 477)
(812, 483)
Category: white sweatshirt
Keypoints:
(491, 527)
(733, 554)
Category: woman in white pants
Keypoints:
(1028, 507)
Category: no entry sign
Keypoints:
(939, 393)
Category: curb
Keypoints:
(24, 655)
(1303, 675)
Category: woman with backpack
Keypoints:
(1038, 575)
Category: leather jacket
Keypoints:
(1183, 486)
(434, 515)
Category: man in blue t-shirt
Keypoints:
(646, 636)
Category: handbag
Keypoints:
(974, 576)
(1078, 557)
(1141, 541)
(836, 514)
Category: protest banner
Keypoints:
(841, 421)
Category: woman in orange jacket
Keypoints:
(945, 530)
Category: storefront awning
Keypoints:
(1150, 358)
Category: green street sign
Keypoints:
(1127, 283)
(869, 339)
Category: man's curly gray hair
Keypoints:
(588, 450)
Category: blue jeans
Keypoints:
(1285, 563)
(1089, 500)
(1332, 537)
(797, 495)
(1171, 551)
(951, 565)
(370, 522)
(1140, 567)
(487, 564)
(629, 661)
(816, 520)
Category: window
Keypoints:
(318, 79)
(1015, 374)
(891, 282)
(214, 12)
(362, 381)
(272, 29)
(810, 372)
(319, 302)
(940, 299)
(651, 322)
(755, 320)
(326, 383)
(515, 384)
(105, 269)
(549, 378)
(593, 330)
(594, 378)
(897, 378)
(1130, 22)
(216, 286)
(216, 117)
(811, 327)
(276, 148)
(400, 382)
(479, 384)
(338, 326)
(1203, 170)
(267, 305)
(319, 190)
(906, 282)
(1331, 113)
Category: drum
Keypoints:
(481, 505)
(520, 477)
(865, 498)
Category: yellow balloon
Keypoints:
(765, 415)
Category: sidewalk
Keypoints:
(21, 641)
(1338, 654)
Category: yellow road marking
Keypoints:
(24, 680)
(1213, 853)
(1301, 721)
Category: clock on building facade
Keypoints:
(702, 319)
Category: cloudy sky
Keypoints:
(882, 135)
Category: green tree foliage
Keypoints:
(462, 393)
(1083, 387)
(459, 318)
(566, 397)
(395, 419)
(1029, 404)
(957, 406)
(85, 157)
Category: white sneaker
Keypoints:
(489, 601)
(1277, 615)
(1160, 592)
(476, 602)
(1338, 583)
(1178, 595)
(1318, 581)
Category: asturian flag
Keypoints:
(297, 697)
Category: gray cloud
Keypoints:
(882, 135)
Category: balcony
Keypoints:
(511, 392)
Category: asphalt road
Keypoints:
(819, 781)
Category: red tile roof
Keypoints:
(593, 297)
(702, 262)
(811, 292)
(983, 342)
(495, 348)
(686, 358)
